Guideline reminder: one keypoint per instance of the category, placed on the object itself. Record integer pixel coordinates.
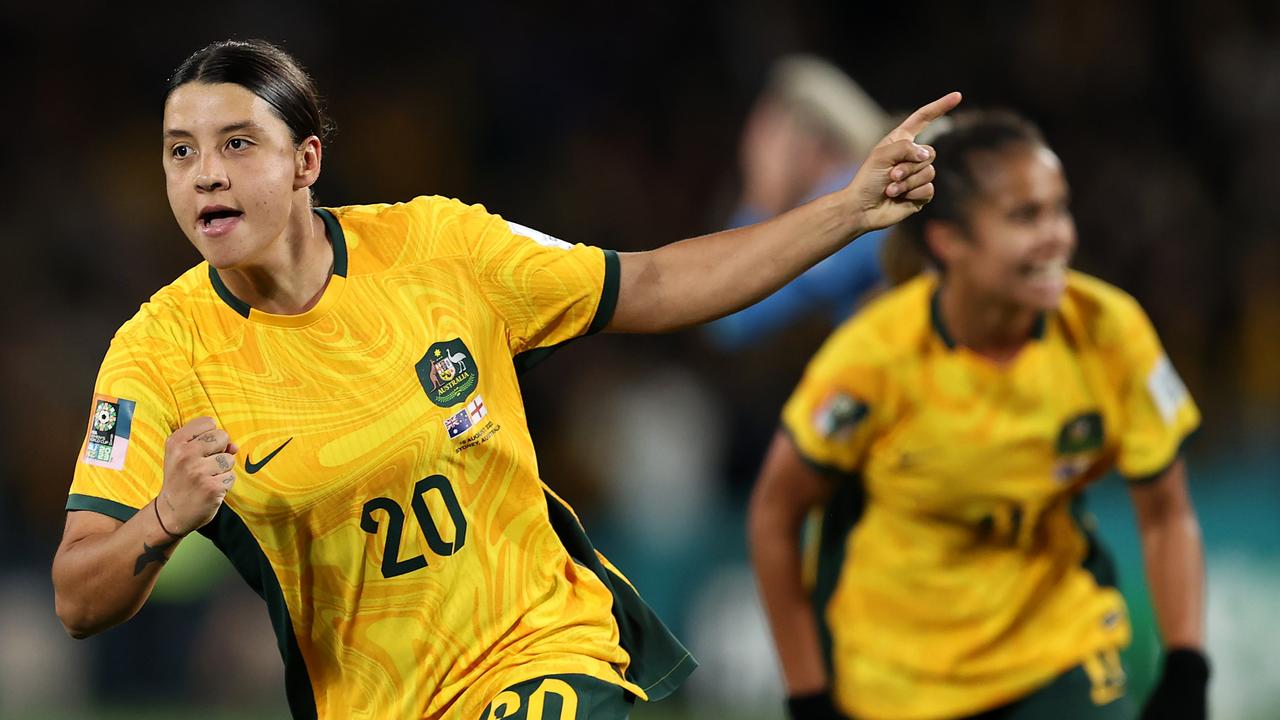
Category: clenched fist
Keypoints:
(199, 469)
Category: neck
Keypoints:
(293, 272)
(989, 327)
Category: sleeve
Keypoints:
(120, 467)
(546, 291)
(1158, 413)
(831, 416)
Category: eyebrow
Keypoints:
(242, 125)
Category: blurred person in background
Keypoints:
(347, 351)
(805, 137)
(940, 444)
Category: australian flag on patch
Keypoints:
(459, 423)
(466, 418)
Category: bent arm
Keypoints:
(1174, 556)
(104, 569)
(785, 492)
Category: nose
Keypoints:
(212, 175)
(1063, 232)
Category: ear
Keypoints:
(306, 163)
(946, 241)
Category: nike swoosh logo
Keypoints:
(252, 467)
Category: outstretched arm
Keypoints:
(700, 279)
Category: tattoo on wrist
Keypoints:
(151, 554)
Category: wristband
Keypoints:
(817, 706)
(156, 505)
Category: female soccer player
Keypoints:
(352, 373)
(941, 441)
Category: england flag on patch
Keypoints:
(476, 410)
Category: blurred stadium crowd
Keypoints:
(619, 125)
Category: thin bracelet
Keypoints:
(156, 505)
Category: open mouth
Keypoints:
(218, 217)
(1049, 270)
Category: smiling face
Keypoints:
(233, 173)
(1019, 234)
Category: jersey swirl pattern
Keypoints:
(955, 568)
(413, 561)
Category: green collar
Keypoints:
(940, 327)
(334, 231)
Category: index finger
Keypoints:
(920, 119)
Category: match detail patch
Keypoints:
(108, 437)
(464, 419)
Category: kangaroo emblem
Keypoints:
(449, 372)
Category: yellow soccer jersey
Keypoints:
(388, 505)
(953, 568)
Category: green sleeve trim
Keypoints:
(110, 508)
(828, 471)
(526, 360)
(1177, 455)
(608, 293)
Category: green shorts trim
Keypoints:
(561, 697)
(1094, 690)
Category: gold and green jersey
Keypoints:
(388, 505)
(954, 568)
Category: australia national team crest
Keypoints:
(448, 372)
(1079, 445)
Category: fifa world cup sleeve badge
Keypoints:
(108, 438)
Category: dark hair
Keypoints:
(265, 70)
(956, 183)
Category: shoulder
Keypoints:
(426, 227)
(423, 213)
(894, 325)
(177, 321)
(1107, 316)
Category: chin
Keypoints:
(221, 256)
(1043, 299)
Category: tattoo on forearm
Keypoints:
(149, 555)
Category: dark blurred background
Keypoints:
(618, 125)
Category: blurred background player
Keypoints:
(940, 443)
(806, 135)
